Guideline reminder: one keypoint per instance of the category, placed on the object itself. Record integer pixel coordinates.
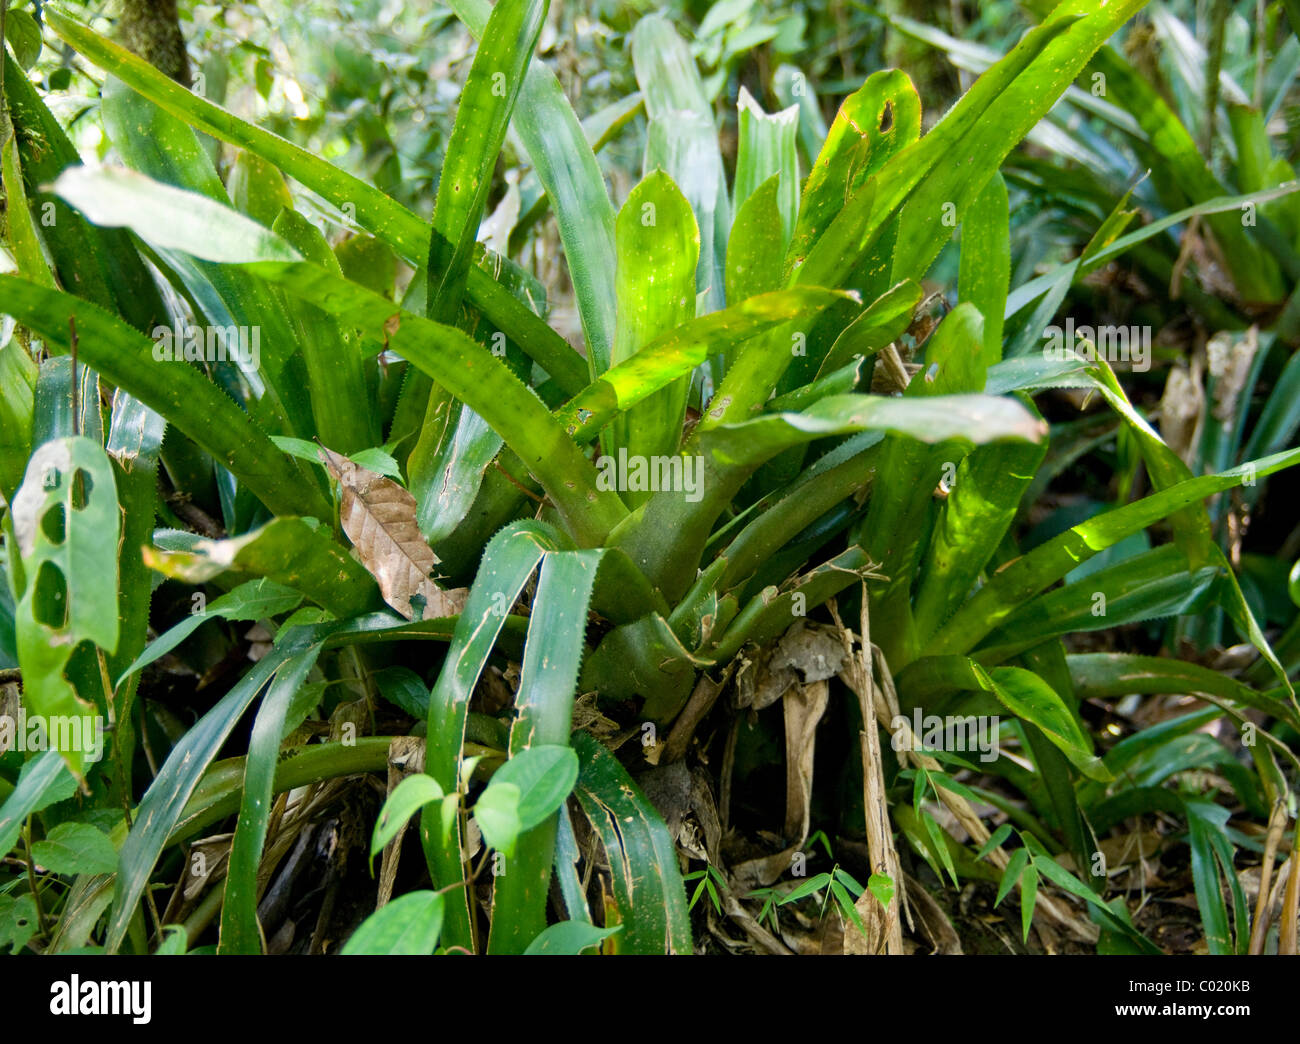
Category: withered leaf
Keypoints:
(378, 516)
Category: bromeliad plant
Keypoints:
(731, 341)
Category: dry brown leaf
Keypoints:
(378, 516)
(804, 707)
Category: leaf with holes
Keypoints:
(66, 526)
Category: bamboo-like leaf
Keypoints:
(410, 925)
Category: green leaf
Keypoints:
(882, 887)
(161, 147)
(508, 562)
(257, 599)
(986, 494)
(24, 36)
(62, 534)
(289, 551)
(389, 220)
(76, 848)
(872, 124)
(666, 536)
(444, 455)
(340, 405)
(42, 781)
(190, 402)
(403, 688)
(1029, 697)
(1011, 874)
(23, 238)
(164, 802)
(257, 189)
(682, 140)
(766, 149)
(647, 885)
(19, 921)
(881, 323)
(1212, 862)
(495, 78)
(939, 841)
(410, 925)
(658, 246)
(240, 931)
(678, 352)
(407, 798)
(1028, 894)
(997, 838)
(566, 165)
(1016, 582)
(176, 941)
(985, 270)
(569, 938)
(545, 775)
(18, 374)
(964, 150)
(805, 889)
(1146, 586)
(497, 814)
(755, 246)
(541, 763)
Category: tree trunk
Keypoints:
(151, 30)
